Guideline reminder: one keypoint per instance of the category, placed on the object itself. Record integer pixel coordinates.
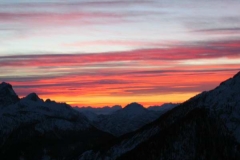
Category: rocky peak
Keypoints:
(134, 107)
(7, 95)
(33, 97)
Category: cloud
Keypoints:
(118, 43)
(211, 50)
(144, 38)
(70, 13)
(217, 31)
(139, 83)
(179, 69)
(54, 19)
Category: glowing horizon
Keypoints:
(102, 53)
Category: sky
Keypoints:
(107, 52)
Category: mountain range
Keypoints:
(99, 110)
(34, 129)
(205, 127)
(128, 119)
(124, 120)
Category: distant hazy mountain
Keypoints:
(93, 113)
(120, 121)
(91, 116)
(128, 119)
(104, 110)
(33, 129)
(206, 126)
(164, 107)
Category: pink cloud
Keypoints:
(203, 51)
(120, 43)
(69, 18)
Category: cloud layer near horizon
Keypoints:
(182, 71)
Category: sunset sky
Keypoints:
(107, 52)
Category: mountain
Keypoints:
(206, 126)
(93, 113)
(34, 129)
(164, 107)
(7, 95)
(118, 121)
(128, 119)
(104, 110)
(92, 116)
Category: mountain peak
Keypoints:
(33, 97)
(117, 107)
(134, 106)
(5, 85)
(7, 94)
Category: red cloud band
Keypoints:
(202, 51)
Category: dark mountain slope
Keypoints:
(196, 136)
(222, 106)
